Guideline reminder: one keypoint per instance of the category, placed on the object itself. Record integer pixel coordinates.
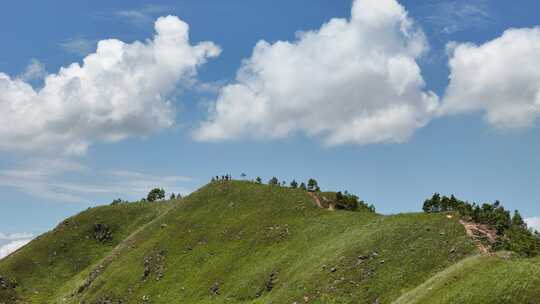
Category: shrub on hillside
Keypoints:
(521, 241)
(118, 201)
(313, 186)
(273, 181)
(155, 195)
(348, 201)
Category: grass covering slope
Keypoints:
(240, 242)
(54, 258)
(481, 279)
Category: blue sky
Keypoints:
(480, 150)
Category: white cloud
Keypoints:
(351, 81)
(79, 46)
(534, 223)
(500, 78)
(53, 180)
(143, 15)
(35, 178)
(15, 236)
(12, 246)
(15, 241)
(121, 90)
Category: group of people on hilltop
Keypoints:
(226, 177)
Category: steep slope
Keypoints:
(481, 279)
(40, 269)
(239, 242)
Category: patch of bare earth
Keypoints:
(323, 203)
(483, 236)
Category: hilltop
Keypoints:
(244, 242)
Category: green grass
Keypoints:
(229, 241)
(235, 235)
(54, 258)
(482, 279)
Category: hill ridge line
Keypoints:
(409, 295)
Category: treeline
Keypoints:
(156, 194)
(343, 201)
(512, 231)
(312, 185)
(349, 201)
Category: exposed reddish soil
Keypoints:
(483, 235)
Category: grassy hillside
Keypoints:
(482, 279)
(241, 242)
(238, 242)
(43, 266)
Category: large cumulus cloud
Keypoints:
(121, 90)
(351, 81)
(499, 78)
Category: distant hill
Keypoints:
(242, 242)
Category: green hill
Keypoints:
(481, 279)
(41, 268)
(241, 242)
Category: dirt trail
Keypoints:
(316, 200)
(480, 234)
(327, 204)
(115, 252)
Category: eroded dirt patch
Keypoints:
(483, 236)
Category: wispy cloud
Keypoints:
(34, 70)
(54, 181)
(140, 183)
(34, 178)
(453, 16)
(79, 46)
(15, 236)
(142, 16)
(209, 87)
